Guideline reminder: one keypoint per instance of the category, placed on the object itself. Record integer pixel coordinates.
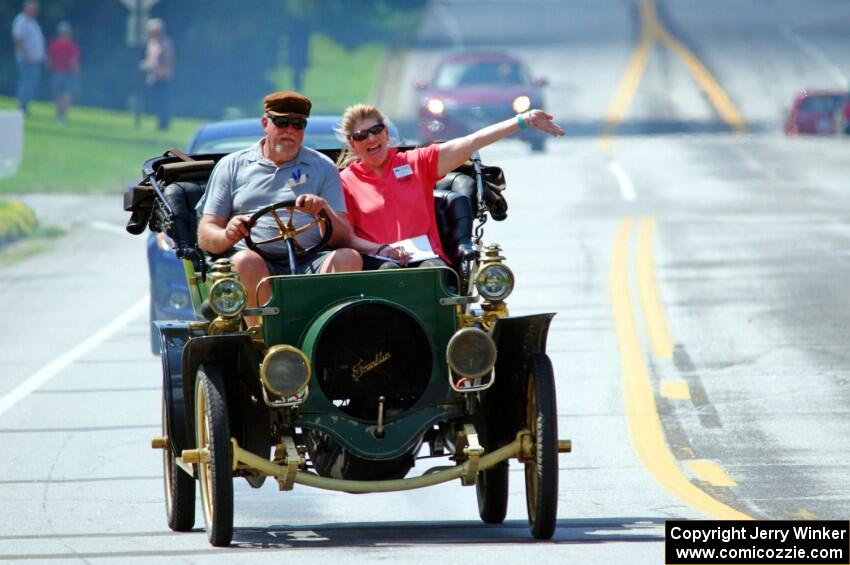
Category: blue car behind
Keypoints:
(169, 291)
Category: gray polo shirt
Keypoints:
(245, 181)
(27, 30)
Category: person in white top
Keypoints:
(29, 52)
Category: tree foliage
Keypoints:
(225, 49)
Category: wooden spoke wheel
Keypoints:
(179, 487)
(212, 431)
(541, 469)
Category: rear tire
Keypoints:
(541, 471)
(212, 431)
(179, 487)
(492, 490)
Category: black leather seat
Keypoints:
(183, 196)
(461, 184)
(454, 196)
(453, 212)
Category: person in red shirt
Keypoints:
(63, 55)
(389, 193)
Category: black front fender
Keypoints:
(517, 340)
(239, 362)
(173, 336)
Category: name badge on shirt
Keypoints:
(402, 171)
(297, 178)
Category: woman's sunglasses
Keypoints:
(283, 122)
(364, 133)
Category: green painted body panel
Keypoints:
(308, 303)
(301, 298)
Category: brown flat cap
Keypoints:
(286, 102)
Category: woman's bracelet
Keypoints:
(381, 248)
(521, 121)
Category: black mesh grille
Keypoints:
(370, 350)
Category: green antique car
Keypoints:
(348, 376)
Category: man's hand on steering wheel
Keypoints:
(282, 215)
(237, 228)
(311, 203)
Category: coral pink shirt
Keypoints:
(62, 53)
(398, 203)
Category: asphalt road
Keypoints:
(698, 275)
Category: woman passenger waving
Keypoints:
(389, 194)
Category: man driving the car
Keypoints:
(276, 168)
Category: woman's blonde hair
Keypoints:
(352, 116)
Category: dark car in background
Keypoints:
(469, 91)
(169, 292)
(819, 112)
(233, 135)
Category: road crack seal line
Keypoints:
(706, 412)
(45, 499)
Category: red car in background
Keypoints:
(472, 90)
(819, 112)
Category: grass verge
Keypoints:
(94, 151)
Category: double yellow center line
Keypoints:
(641, 412)
(651, 31)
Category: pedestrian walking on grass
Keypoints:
(63, 54)
(29, 52)
(159, 67)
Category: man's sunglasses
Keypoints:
(364, 133)
(284, 122)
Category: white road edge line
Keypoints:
(627, 188)
(817, 55)
(56, 366)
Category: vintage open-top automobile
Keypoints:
(347, 376)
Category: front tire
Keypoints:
(541, 470)
(179, 487)
(212, 431)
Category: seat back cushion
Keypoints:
(453, 213)
(462, 184)
(183, 196)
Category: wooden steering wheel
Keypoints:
(287, 232)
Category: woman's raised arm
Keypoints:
(455, 152)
